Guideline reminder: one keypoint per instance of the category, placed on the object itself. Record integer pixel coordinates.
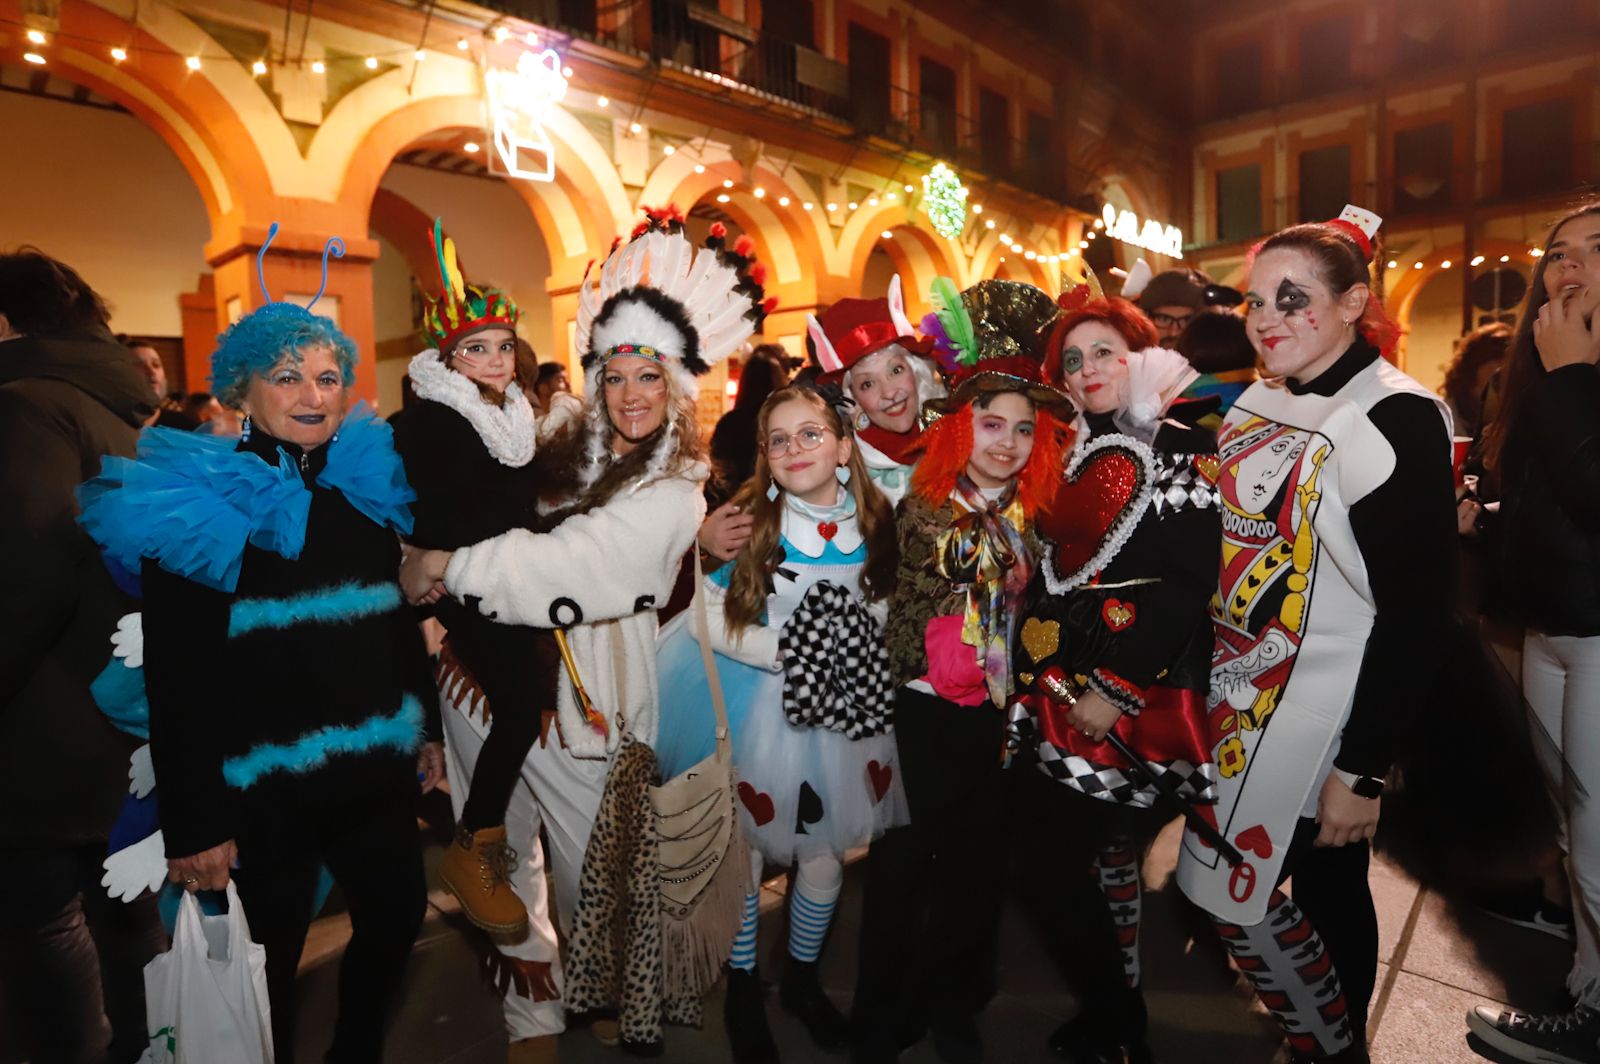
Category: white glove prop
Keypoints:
(138, 868)
(141, 772)
(127, 642)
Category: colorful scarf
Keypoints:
(983, 549)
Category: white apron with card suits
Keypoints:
(1292, 614)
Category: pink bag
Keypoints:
(953, 670)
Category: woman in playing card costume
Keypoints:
(1336, 586)
(796, 620)
(468, 445)
(627, 481)
(869, 350)
(1115, 638)
(967, 553)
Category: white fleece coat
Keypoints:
(601, 575)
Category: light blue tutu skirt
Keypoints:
(803, 792)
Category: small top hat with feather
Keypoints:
(997, 332)
(658, 296)
(461, 308)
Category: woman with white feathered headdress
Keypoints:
(624, 502)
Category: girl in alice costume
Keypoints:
(796, 622)
(1330, 627)
(967, 553)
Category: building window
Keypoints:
(1238, 78)
(1424, 34)
(868, 59)
(994, 131)
(1039, 170)
(938, 104)
(1324, 182)
(1239, 203)
(1325, 56)
(1423, 158)
(1538, 21)
(1536, 149)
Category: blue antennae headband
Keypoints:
(334, 247)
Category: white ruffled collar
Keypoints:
(802, 521)
(507, 431)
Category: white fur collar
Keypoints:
(507, 432)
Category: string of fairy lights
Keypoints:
(944, 198)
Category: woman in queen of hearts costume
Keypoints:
(1333, 606)
(868, 348)
(1118, 613)
(626, 480)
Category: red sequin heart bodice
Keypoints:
(1095, 502)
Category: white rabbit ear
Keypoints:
(826, 357)
(897, 307)
(1137, 279)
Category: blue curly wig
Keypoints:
(264, 337)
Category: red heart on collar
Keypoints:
(1102, 495)
(827, 529)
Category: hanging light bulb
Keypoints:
(603, 101)
(372, 62)
(35, 37)
(1445, 265)
(420, 55)
(119, 55)
(1476, 261)
(783, 201)
(806, 206)
(566, 72)
(501, 35)
(669, 150)
(977, 208)
(759, 193)
(723, 198)
(887, 235)
(891, 196)
(635, 128)
(854, 204)
(1505, 258)
(699, 168)
(461, 44)
(319, 67)
(193, 62)
(1393, 264)
(988, 223)
(872, 201)
(33, 57)
(259, 67)
(470, 147)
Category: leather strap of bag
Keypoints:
(713, 678)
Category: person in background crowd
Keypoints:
(1542, 448)
(201, 406)
(1216, 343)
(733, 443)
(551, 378)
(71, 959)
(1119, 613)
(626, 480)
(1332, 615)
(1171, 300)
(269, 569)
(822, 562)
(1468, 380)
(169, 414)
(967, 553)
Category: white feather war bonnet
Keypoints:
(658, 296)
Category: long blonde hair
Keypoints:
(747, 588)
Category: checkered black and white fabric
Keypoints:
(1111, 784)
(835, 665)
(1179, 486)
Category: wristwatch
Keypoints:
(1361, 786)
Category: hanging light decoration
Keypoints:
(946, 200)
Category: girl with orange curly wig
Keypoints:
(967, 552)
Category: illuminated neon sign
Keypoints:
(519, 102)
(1152, 235)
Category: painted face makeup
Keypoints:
(488, 357)
(1002, 439)
(885, 389)
(803, 453)
(1301, 331)
(1094, 360)
(299, 401)
(636, 399)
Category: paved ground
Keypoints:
(1436, 963)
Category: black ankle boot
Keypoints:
(802, 997)
(1103, 1030)
(744, 1015)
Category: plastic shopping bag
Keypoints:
(206, 997)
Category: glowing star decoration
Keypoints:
(946, 199)
(519, 102)
(1152, 236)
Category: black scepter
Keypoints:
(1057, 686)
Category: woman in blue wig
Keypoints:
(268, 565)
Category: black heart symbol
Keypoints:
(810, 809)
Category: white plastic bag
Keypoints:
(206, 997)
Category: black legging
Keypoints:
(1329, 883)
(373, 851)
(933, 889)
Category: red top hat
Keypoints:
(852, 329)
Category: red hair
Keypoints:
(947, 448)
(1129, 321)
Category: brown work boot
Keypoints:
(477, 870)
(537, 1050)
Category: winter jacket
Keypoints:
(66, 399)
(1549, 550)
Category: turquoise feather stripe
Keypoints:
(338, 604)
(400, 732)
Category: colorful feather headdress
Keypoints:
(658, 296)
(461, 308)
(994, 335)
